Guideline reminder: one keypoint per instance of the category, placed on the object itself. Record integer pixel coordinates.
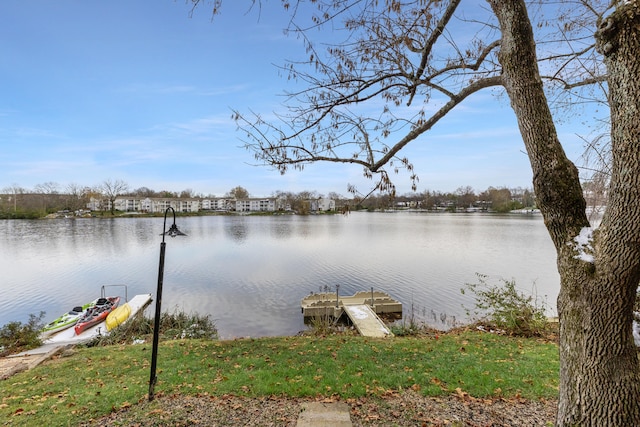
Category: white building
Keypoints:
(255, 205)
(327, 204)
(128, 204)
(161, 204)
(323, 205)
(214, 204)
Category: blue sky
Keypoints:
(141, 91)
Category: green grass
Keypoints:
(96, 381)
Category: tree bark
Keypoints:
(599, 371)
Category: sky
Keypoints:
(142, 91)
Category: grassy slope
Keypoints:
(96, 381)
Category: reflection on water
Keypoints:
(236, 228)
(250, 272)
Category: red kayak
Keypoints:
(96, 314)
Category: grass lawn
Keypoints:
(96, 381)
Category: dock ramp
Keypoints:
(366, 321)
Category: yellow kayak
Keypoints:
(118, 316)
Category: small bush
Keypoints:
(322, 325)
(406, 329)
(504, 307)
(138, 327)
(180, 325)
(176, 325)
(408, 326)
(16, 337)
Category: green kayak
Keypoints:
(67, 320)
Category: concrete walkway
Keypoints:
(14, 364)
(318, 414)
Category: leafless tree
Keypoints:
(466, 196)
(46, 189)
(238, 193)
(144, 192)
(111, 189)
(15, 189)
(187, 193)
(77, 196)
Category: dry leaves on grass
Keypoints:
(408, 408)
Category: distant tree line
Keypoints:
(49, 197)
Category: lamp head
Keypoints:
(173, 231)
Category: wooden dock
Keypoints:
(362, 308)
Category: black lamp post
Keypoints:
(173, 232)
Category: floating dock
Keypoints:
(362, 308)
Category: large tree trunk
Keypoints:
(599, 371)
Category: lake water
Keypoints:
(250, 272)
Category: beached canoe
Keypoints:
(118, 316)
(96, 314)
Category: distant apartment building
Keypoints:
(95, 204)
(323, 205)
(158, 205)
(256, 205)
(128, 205)
(214, 204)
(154, 205)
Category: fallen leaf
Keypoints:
(461, 394)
